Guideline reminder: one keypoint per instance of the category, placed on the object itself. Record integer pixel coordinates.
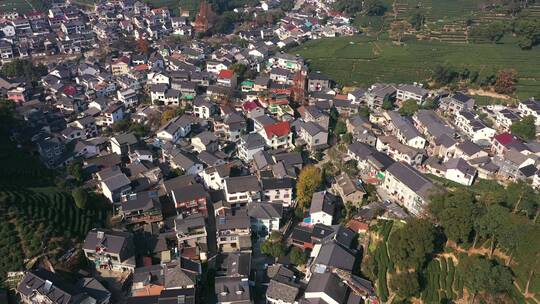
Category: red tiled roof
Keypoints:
(228, 74)
(504, 138)
(357, 226)
(250, 105)
(69, 90)
(278, 129)
(280, 101)
(123, 59)
(141, 67)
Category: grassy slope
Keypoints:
(361, 61)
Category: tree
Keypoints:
(239, 69)
(350, 167)
(341, 127)
(444, 75)
(80, 196)
(167, 115)
(494, 31)
(520, 196)
(524, 128)
(455, 211)
(348, 6)
(409, 107)
(398, 29)
(274, 245)
(405, 284)
(491, 223)
(528, 32)
(417, 20)
(142, 46)
(347, 138)
(387, 104)
(75, 169)
(374, 7)
(505, 81)
(482, 275)
(23, 68)
(309, 181)
(411, 245)
(298, 257)
(363, 111)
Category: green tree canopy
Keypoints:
(405, 284)
(75, 169)
(80, 196)
(524, 128)
(482, 275)
(374, 7)
(411, 245)
(456, 212)
(273, 246)
(409, 107)
(298, 257)
(341, 127)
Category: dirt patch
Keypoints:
(482, 92)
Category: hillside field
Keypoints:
(361, 61)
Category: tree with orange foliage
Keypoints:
(142, 46)
(505, 81)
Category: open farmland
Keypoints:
(360, 61)
(21, 5)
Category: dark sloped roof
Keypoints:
(328, 283)
(242, 184)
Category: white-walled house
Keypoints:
(265, 217)
(278, 135)
(175, 129)
(242, 189)
(322, 209)
(278, 190)
(459, 171)
(249, 145)
(530, 107)
(408, 186)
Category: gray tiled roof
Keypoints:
(265, 210)
(334, 255)
(242, 184)
(321, 201)
(232, 290)
(281, 291)
(330, 284)
(413, 179)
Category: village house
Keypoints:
(278, 135)
(404, 130)
(530, 107)
(348, 189)
(278, 190)
(142, 207)
(176, 128)
(459, 171)
(241, 190)
(456, 103)
(322, 208)
(189, 199)
(233, 232)
(265, 217)
(411, 92)
(110, 249)
(250, 144)
(205, 141)
(471, 125)
(408, 186)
